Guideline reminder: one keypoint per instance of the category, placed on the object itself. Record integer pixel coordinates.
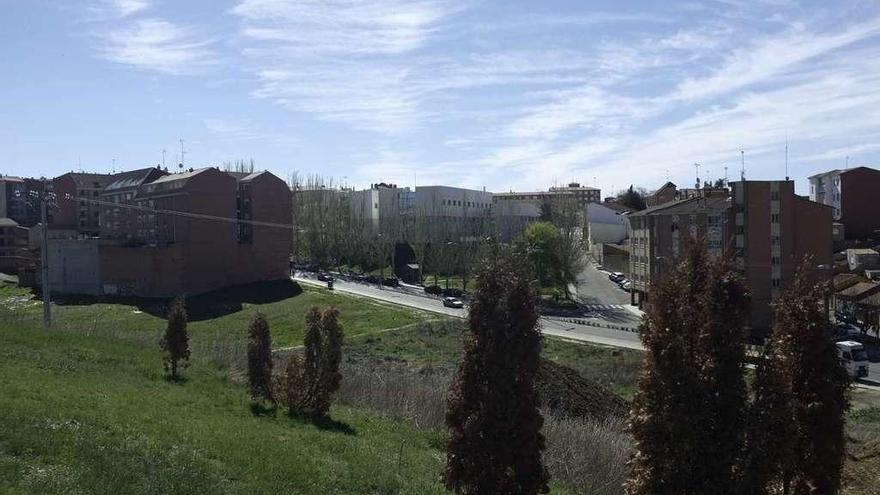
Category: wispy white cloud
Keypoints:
(115, 9)
(158, 45)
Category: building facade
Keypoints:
(193, 232)
(117, 219)
(775, 232)
(13, 245)
(77, 197)
(852, 195)
(605, 223)
(769, 230)
(581, 194)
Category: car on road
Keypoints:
(433, 289)
(847, 330)
(452, 302)
(625, 284)
(616, 277)
(325, 277)
(391, 282)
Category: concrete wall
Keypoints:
(74, 266)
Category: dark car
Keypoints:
(325, 277)
(372, 279)
(451, 302)
(391, 282)
(433, 289)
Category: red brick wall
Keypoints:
(860, 205)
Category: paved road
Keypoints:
(554, 326)
(549, 325)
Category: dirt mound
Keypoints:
(564, 391)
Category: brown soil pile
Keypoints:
(565, 392)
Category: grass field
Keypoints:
(82, 414)
(434, 346)
(286, 316)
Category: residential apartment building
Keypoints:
(17, 199)
(193, 232)
(862, 259)
(77, 197)
(852, 195)
(658, 233)
(117, 220)
(770, 230)
(581, 194)
(774, 233)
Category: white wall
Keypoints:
(604, 224)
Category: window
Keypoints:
(774, 217)
(775, 240)
(776, 283)
(774, 195)
(774, 260)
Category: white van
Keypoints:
(854, 358)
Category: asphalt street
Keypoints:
(594, 326)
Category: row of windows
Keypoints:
(469, 204)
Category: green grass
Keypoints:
(82, 414)
(286, 317)
(439, 345)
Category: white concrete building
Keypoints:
(381, 203)
(605, 224)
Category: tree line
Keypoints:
(333, 231)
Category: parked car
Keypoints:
(452, 302)
(391, 282)
(854, 358)
(433, 289)
(616, 277)
(324, 277)
(625, 284)
(372, 279)
(453, 292)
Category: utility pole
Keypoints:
(44, 260)
(742, 170)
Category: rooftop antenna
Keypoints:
(182, 154)
(667, 175)
(113, 161)
(163, 157)
(697, 166)
(847, 161)
(742, 170)
(786, 156)
(725, 175)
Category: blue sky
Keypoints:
(501, 94)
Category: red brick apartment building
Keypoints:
(769, 229)
(13, 243)
(852, 193)
(186, 233)
(77, 209)
(118, 222)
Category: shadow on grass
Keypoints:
(176, 380)
(325, 423)
(262, 409)
(201, 307)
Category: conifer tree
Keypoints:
(808, 389)
(259, 354)
(175, 342)
(331, 356)
(495, 443)
(687, 414)
(313, 342)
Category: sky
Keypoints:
(501, 94)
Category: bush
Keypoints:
(259, 354)
(308, 383)
(175, 342)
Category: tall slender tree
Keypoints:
(175, 342)
(331, 356)
(313, 342)
(686, 416)
(495, 443)
(808, 388)
(259, 354)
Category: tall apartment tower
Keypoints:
(852, 193)
(774, 232)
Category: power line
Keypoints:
(197, 216)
